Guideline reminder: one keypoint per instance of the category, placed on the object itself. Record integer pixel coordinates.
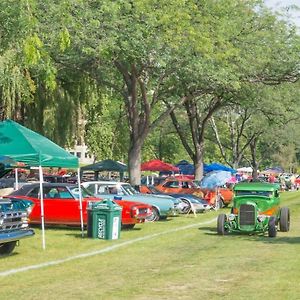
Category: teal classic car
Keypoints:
(256, 209)
(162, 206)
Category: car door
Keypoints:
(49, 211)
(63, 206)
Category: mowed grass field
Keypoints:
(181, 258)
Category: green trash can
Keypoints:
(104, 220)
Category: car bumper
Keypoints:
(16, 235)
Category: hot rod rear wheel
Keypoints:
(221, 224)
(7, 248)
(272, 227)
(284, 219)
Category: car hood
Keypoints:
(155, 196)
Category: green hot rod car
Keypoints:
(255, 210)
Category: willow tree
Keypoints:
(17, 52)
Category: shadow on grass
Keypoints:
(209, 230)
(256, 237)
(276, 240)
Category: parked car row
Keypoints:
(61, 202)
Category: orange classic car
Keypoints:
(184, 185)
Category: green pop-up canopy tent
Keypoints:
(35, 150)
(105, 165)
(31, 148)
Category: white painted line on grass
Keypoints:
(101, 251)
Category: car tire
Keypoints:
(7, 248)
(284, 219)
(154, 216)
(272, 231)
(221, 230)
(188, 208)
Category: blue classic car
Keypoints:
(13, 223)
(162, 206)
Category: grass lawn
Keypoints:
(182, 258)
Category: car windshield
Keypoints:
(128, 189)
(84, 192)
(254, 193)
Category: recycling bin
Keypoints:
(104, 220)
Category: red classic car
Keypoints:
(184, 185)
(61, 205)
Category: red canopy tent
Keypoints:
(158, 165)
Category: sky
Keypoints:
(278, 4)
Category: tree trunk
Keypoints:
(254, 163)
(134, 164)
(198, 161)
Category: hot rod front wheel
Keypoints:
(221, 224)
(272, 231)
(284, 219)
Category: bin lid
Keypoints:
(105, 204)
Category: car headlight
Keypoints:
(231, 217)
(261, 218)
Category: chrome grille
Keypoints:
(247, 214)
(12, 220)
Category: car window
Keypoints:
(51, 193)
(64, 193)
(185, 185)
(257, 193)
(74, 192)
(102, 189)
(57, 193)
(127, 189)
(172, 184)
(91, 188)
(34, 193)
(113, 190)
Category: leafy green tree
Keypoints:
(256, 49)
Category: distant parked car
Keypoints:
(184, 185)
(162, 206)
(193, 202)
(61, 205)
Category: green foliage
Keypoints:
(58, 70)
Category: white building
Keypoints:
(81, 151)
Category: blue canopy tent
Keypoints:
(185, 168)
(217, 167)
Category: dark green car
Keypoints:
(256, 209)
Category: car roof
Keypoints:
(104, 182)
(27, 187)
(183, 178)
(258, 186)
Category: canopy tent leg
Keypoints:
(16, 179)
(80, 202)
(42, 206)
